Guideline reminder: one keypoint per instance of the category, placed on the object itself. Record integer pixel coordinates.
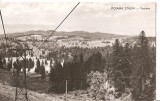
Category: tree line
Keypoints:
(127, 66)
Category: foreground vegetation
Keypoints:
(123, 69)
(124, 72)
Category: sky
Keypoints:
(91, 17)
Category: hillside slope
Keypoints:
(6, 77)
(7, 93)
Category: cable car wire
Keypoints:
(57, 27)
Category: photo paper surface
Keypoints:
(84, 51)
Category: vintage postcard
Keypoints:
(84, 51)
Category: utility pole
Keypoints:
(66, 91)
(142, 81)
(66, 79)
(21, 91)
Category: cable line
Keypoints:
(3, 27)
(57, 27)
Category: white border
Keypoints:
(157, 27)
(157, 52)
(79, 0)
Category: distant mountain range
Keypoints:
(84, 34)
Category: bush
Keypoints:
(100, 87)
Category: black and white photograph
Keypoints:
(78, 51)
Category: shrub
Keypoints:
(100, 87)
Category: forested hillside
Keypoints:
(128, 69)
(123, 71)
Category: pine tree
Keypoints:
(17, 66)
(9, 64)
(4, 62)
(52, 78)
(46, 63)
(82, 74)
(116, 68)
(42, 71)
(37, 70)
(142, 67)
(1, 63)
(75, 69)
(126, 65)
(31, 62)
(57, 78)
(116, 53)
(99, 62)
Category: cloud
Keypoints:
(90, 17)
